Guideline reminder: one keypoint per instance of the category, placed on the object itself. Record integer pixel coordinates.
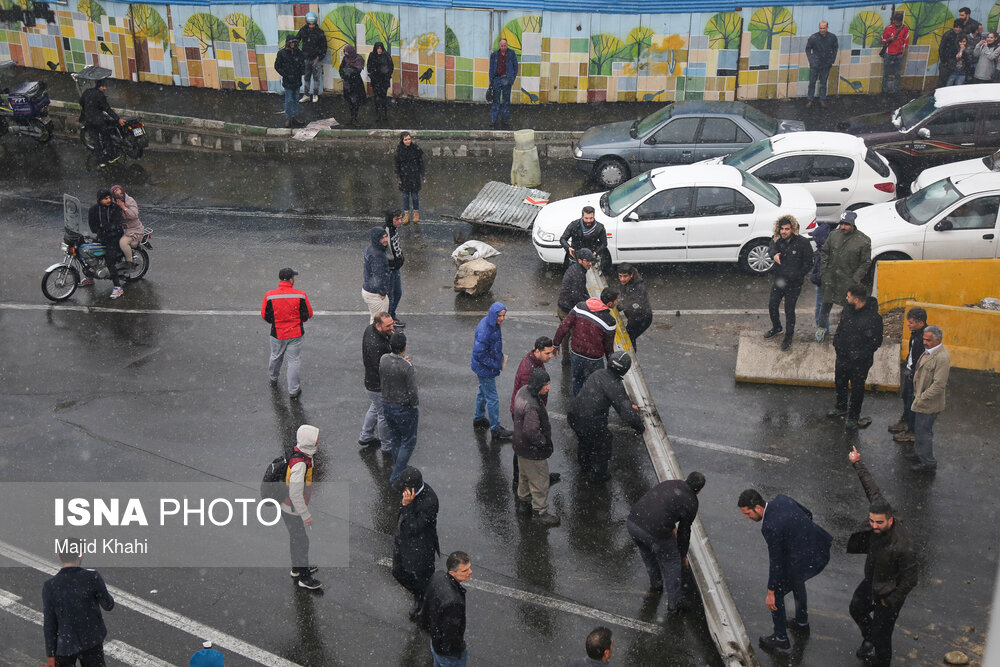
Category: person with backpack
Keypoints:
(295, 506)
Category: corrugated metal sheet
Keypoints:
(501, 204)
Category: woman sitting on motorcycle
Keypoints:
(132, 229)
(105, 220)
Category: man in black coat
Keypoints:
(98, 116)
(588, 415)
(798, 549)
(573, 289)
(793, 260)
(947, 50)
(313, 51)
(415, 545)
(533, 446)
(374, 344)
(586, 232)
(905, 430)
(71, 608)
(394, 253)
(105, 222)
(634, 303)
(291, 65)
(660, 525)
(444, 610)
(858, 337)
(821, 51)
(890, 571)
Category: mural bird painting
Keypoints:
(856, 85)
(242, 85)
(427, 75)
(105, 49)
(532, 97)
(52, 66)
(237, 36)
(650, 97)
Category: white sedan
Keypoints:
(979, 165)
(955, 218)
(691, 213)
(837, 169)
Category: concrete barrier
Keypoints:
(971, 335)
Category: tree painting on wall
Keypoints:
(451, 45)
(993, 18)
(341, 27)
(207, 29)
(381, 27)
(147, 23)
(514, 29)
(91, 9)
(866, 29)
(604, 50)
(637, 44)
(927, 21)
(769, 22)
(724, 30)
(244, 29)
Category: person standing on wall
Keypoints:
(354, 87)
(290, 64)
(313, 41)
(895, 39)
(380, 68)
(503, 71)
(821, 50)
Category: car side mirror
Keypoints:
(651, 141)
(924, 133)
(944, 226)
(632, 217)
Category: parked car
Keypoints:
(692, 213)
(837, 169)
(977, 165)
(953, 123)
(954, 218)
(679, 133)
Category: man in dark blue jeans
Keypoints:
(503, 71)
(399, 402)
(71, 607)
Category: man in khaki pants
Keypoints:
(929, 382)
(533, 446)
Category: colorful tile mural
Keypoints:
(443, 53)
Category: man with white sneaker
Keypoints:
(314, 47)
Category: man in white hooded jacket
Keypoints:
(295, 508)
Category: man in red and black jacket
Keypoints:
(593, 335)
(286, 309)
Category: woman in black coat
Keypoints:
(350, 69)
(380, 69)
(415, 546)
(410, 175)
(634, 302)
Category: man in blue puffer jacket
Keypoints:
(487, 361)
(375, 288)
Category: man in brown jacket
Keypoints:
(929, 382)
(533, 446)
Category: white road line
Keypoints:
(161, 614)
(118, 650)
(553, 603)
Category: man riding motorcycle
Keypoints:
(105, 220)
(98, 116)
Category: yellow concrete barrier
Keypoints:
(971, 335)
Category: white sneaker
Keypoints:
(117, 292)
(304, 98)
(315, 98)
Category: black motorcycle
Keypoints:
(61, 279)
(129, 139)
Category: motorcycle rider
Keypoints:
(105, 220)
(96, 114)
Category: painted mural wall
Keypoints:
(443, 54)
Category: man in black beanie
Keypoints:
(416, 542)
(533, 446)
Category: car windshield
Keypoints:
(992, 162)
(918, 208)
(765, 190)
(763, 121)
(653, 120)
(913, 112)
(751, 156)
(625, 195)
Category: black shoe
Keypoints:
(655, 590)
(312, 570)
(678, 609)
(369, 443)
(923, 467)
(836, 412)
(399, 324)
(772, 642)
(547, 520)
(308, 581)
(554, 478)
(786, 343)
(599, 477)
(866, 650)
(801, 628)
(773, 332)
(481, 423)
(521, 505)
(500, 433)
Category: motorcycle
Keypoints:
(129, 139)
(24, 110)
(61, 279)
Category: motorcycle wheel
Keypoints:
(141, 259)
(60, 283)
(132, 148)
(87, 138)
(44, 127)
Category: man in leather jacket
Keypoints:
(96, 114)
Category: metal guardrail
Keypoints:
(724, 621)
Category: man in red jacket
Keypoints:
(593, 335)
(286, 309)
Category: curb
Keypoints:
(183, 132)
(724, 621)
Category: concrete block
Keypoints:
(475, 277)
(807, 363)
(462, 151)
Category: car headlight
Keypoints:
(577, 151)
(547, 237)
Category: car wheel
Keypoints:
(884, 257)
(610, 172)
(755, 258)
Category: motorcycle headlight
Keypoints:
(577, 151)
(64, 247)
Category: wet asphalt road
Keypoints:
(184, 397)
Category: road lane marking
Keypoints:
(116, 649)
(161, 614)
(553, 603)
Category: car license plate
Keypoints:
(138, 131)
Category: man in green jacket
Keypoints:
(845, 257)
(929, 382)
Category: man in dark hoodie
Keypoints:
(415, 545)
(793, 256)
(71, 610)
(586, 232)
(858, 337)
(487, 362)
(533, 446)
(588, 415)
(394, 253)
(380, 68)
(313, 51)
(593, 328)
(634, 303)
(105, 221)
(290, 64)
(376, 273)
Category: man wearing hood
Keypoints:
(593, 335)
(845, 259)
(792, 255)
(380, 68)
(376, 273)
(487, 362)
(533, 446)
(415, 545)
(586, 232)
(105, 221)
(354, 87)
(858, 337)
(588, 415)
(394, 253)
(634, 303)
(290, 64)
(295, 508)
(313, 51)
